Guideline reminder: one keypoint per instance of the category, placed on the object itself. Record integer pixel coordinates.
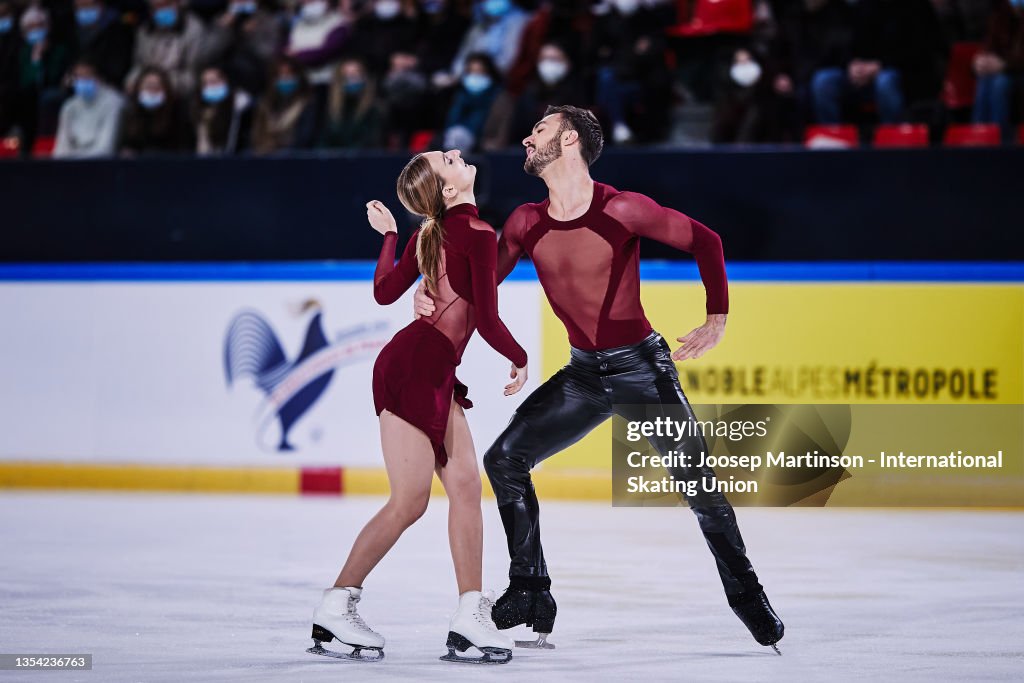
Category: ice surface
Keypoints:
(220, 588)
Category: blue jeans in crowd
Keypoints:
(831, 87)
(992, 102)
(615, 96)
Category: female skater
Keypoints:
(420, 402)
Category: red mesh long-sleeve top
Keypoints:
(590, 266)
(467, 296)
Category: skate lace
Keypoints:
(483, 610)
(353, 615)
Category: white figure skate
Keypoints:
(472, 626)
(335, 618)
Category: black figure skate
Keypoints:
(757, 614)
(527, 601)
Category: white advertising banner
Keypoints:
(219, 373)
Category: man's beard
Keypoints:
(539, 160)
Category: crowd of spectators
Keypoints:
(137, 77)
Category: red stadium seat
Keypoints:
(958, 87)
(9, 147)
(972, 135)
(831, 137)
(43, 146)
(420, 140)
(903, 135)
(713, 16)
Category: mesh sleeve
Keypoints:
(482, 262)
(510, 245)
(391, 280)
(644, 217)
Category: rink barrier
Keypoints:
(650, 271)
(573, 479)
(330, 481)
(577, 486)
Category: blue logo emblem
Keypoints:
(291, 387)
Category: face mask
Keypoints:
(745, 74)
(286, 86)
(87, 16)
(626, 7)
(6, 23)
(85, 88)
(150, 100)
(312, 11)
(496, 8)
(552, 70)
(476, 83)
(387, 9)
(433, 6)
(212, 94)
(36, 36)
(243, 8)
(165, 17)
(354, 87)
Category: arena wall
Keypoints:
(115, 376)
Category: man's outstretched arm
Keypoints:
(645, 217)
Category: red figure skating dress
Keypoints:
(414, 376)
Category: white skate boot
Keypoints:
(335, 618)
(472, 626)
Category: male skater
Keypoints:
(584, 243)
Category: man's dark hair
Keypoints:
(87, 60)
(585, 124)
(488, 64)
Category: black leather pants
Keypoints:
(563, 410)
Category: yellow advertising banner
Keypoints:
(819, 343)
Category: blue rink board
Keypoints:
(871, 271)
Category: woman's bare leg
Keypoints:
(461, 479)
(409, 459)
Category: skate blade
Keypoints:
(776, 648)
(540, 644)
(355, 656)
(491, 655)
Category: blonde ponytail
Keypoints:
(420, 191)
(428, 251)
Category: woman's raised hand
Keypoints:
(380, 217)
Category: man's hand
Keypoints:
(855, 72)
(518, 376)
(863, 71)
(702, 339)
(988, 64)
(783, 85)
(422, 305)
